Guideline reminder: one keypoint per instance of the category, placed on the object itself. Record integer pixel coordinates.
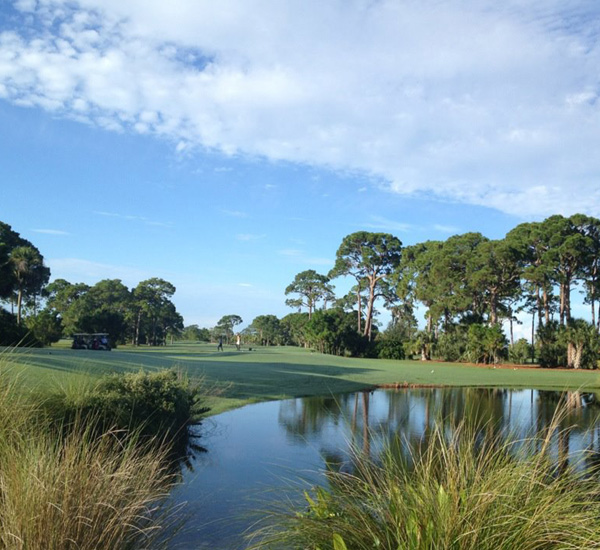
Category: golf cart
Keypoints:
(95, 340)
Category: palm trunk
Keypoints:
(19, 305)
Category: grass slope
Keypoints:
(277, 372)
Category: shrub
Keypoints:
(582, 342)
(485, 344)
(520, 352)
(552, 349)
(45, 327)
(160, 404)
(12, 334)
(451, 346)
(390, 348)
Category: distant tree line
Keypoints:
(39, 313)
(468, 286)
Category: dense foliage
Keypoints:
(42, 313)
(470, 288)
(159, 404)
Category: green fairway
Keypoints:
(235, 378)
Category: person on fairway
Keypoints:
(238, 342)
(220, 346)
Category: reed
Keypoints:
(463, 491)
(79, 488)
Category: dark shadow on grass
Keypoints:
(251, 377)
(270, 380)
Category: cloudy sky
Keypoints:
(226, 146)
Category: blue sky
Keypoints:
(226, 146)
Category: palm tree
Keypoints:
(29, 272)
(582, 344)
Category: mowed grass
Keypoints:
(235, 378)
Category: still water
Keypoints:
(263, 453)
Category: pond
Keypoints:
(262, 453)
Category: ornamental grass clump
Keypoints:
(81, 491)
(83, 487)
(465, 491)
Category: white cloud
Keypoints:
(300, 257)
(474, 101)
(235, 213)
(51, 231)
(249, 237)
(381, 223)
(134, 218)
(86, 271)
(450, 229)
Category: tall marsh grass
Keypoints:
(464, 491)
(81, 488)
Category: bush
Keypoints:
(389, 348)
(160, 404)
(451, 346)
(552, 349)
(485, 344)
(334, 332)
(520, 352)
(582, 342)
(12, 334)
(45, 327)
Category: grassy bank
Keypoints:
(236, 378)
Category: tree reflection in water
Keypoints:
(278, 444)
(373, 419)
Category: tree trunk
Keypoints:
(539, 305)
(493, 310)
(359, 305)
(578, 355)
(369, 316)
(546, 306)
(19, 305)
(571, 352)
(136, 338)
(562, 304)
(568, 301)
(533, 337)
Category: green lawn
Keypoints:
(236, 378)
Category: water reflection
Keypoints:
(271, 445)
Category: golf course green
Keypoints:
(233, 378)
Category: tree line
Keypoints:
(42, 313)
(468, 286)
